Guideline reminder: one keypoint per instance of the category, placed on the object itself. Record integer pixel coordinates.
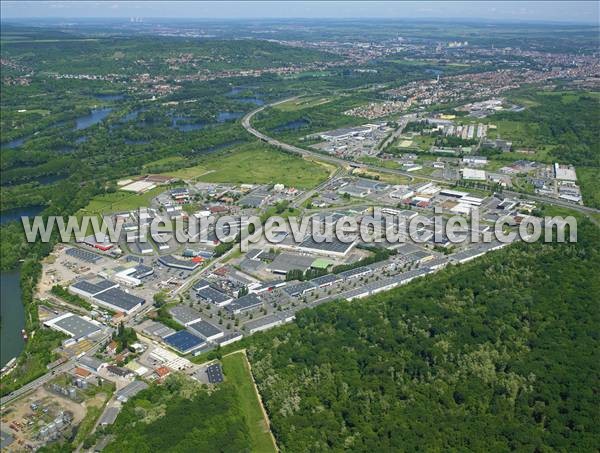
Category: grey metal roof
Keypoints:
(159, 330)
(247, 302)
(299, 288)
(326, 279)
(335, 245)
(285, 262)
(356, 272)
(109, 416)
(204, 329)
(213, 295)
(131, 390)
(120, 299)
(77, 326)
(184, 314)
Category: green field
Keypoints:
(256, 165)
(237, 372)
(303, 103)
(120, 201)
(589, 182)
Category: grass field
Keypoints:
(237, 372)
(256, 165)
(589, 181)
(164, 161)
(120, 201)
(303, 103)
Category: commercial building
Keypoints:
(74, 326)
(185, 342)
(205, 330)
(130, 390)
(299, 289)
(91, 363)
(357, 272)
(171, 261)
(214, 296)
(285, 262)
(229, 338)
(92, 287)
(244, 303)
(473, 174)
(106, 293)
(269, 321)
(100, 241)
(326, 280)
(185, 315)
(118, 300)
(335, 247)
(157, 329)
(565, 172)
(134, 275)
(475, 160)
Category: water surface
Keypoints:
(12, 316)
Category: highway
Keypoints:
(246, 123)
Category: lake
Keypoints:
(14, 143)
(11, 215)
(95, 116)
(12, 315)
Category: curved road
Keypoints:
(246, 123)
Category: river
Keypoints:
(12, 315)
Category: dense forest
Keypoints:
(498, 354)
(567, 121)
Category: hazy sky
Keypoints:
(564, 11)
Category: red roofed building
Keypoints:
(162, 372)
(81, 372)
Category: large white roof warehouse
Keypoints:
(73, 325)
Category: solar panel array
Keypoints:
(184, 341)
(214, 373)
(83, 255)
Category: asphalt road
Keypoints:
(246, 123)
(67, 366)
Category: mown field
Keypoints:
(237, 372)
(256, 164)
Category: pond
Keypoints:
(11, 215)
(222, 117)
(14, 143)
(95, 116)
